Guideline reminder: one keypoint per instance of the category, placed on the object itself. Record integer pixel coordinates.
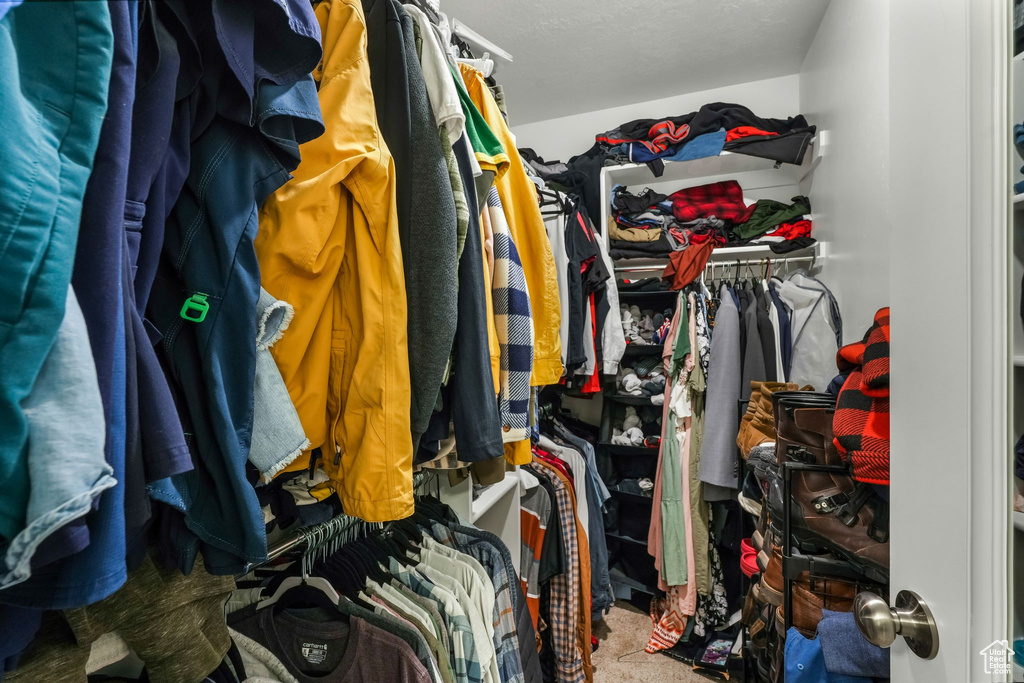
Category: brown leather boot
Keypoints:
(757, 425)
(772, 584)
(789, 436)
(752, 605)
(831, 511)
(755, 391)
(810, 597)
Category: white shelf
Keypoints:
(725, 164)
(725, 255)
(492, 494)
(1018, 520)
(1018, 360)
(1018, 59)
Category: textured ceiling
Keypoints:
(573, 56)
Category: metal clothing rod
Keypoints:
(471, 36)
(722, 262)
(337, 525)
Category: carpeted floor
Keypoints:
(623, 634)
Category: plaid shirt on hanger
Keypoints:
(465, 660)
(506, 636)
(567, 589)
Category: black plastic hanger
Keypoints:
(371, 565)
(372, 559)
(430, 508)
(388, 546)
(427, 9)
(403, 536)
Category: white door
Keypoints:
(950, 364)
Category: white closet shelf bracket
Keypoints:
(474, 38)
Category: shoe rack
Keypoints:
(633, 573)
(817, 566)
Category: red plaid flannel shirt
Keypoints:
(722, 200)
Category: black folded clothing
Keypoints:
(633, 203)
(647, 284)
(792, 245)
(620, 254)
(623, 249)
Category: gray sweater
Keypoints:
(427, 221)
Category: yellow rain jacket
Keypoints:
(328, 244)
(519, 197)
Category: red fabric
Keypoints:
(875, 360)
(740, 132)
(593, 385)
(790, 231)
(748, 559)
(588, 232)
(705, 237)
(861, 422)
(686, 265)
(554, 462)
(722, 200)
(661, 136)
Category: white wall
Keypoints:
(564, 137)
(844, 90)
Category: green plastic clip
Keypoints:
(195, 308)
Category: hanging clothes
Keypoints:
(350, 325)
(719, 463)
(766, 331)
(45, 176)
(174, 623)
(471, 390)
(205, 297)
(570, 591)
(556, 236)
(448, 596)
(425, 204)
(527, 229)
(815, 332)
(586, 272)
(514, 324)
(753, 354)
(62, 490)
